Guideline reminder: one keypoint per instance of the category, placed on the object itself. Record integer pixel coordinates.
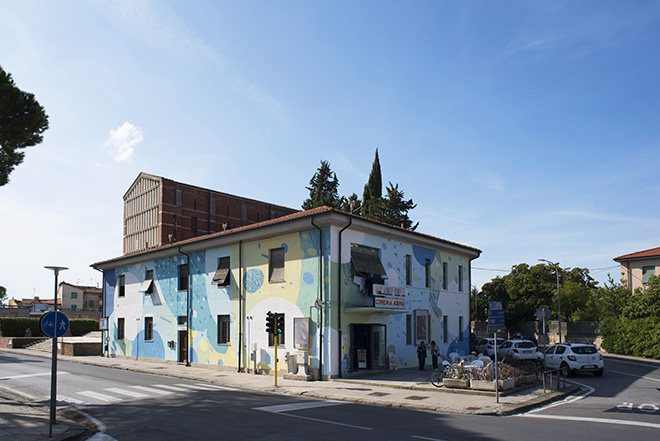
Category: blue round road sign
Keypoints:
(54, 324)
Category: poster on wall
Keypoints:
(421, 326)
(393, 366)
(301, 332)
(362, 358)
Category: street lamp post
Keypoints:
(556, 265)
(53, 372)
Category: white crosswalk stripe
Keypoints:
(128, 393)
(215, 386)
(99, 396)
(152, 390)
(174, 388)
(65, 399)
(195, 386)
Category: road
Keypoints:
(135, 406)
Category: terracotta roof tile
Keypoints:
(653, 252)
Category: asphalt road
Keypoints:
(134, 406)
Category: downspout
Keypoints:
(320, 298)
(339, 304)
(240, 303)
(188, 318)
(103, 312)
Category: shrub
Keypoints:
(638, 337)
(17, 326)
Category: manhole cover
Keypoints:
(378, 394)
(416, 398)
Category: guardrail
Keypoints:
(549, 374)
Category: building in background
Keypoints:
(352, 294)
(637, 268)
(80, 298)
(159, 211)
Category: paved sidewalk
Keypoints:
(405, 388)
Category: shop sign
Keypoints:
(398, 292)
(391, 303)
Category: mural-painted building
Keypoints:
(354, 294)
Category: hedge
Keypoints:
(17, 326)
(637, 337)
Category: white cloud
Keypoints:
(122, 141)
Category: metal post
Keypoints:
(275, 362)
(556, 265)
(53, 369)
(497, 376)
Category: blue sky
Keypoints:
(527, 129)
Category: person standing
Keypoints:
(421, 355)
(435, 353)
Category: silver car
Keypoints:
(487, 346)
(517, 350)
(574, 357)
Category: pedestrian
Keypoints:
(435, 353)
(421, 355)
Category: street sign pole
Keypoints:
(275, 363)
(497, 373)
(53, 369)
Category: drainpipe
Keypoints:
(240, 303)
(339, 304)
(320, 298)
(188, 315)
(103, 312)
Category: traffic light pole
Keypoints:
(275, 359)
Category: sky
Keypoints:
(526, 129)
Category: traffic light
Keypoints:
(270, 323)
(280, 323)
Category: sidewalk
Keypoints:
(405, 388)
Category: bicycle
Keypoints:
(438, 376)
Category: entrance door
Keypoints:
(368, 347)
(183, 346)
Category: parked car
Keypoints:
(486, 346)
(574, 357)
(517, 350)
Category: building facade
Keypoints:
(159, 211)
(80, 298)
(637, 268)
(352, 293)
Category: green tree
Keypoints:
(3, 294)
(394, 208)
(351, 204)
(22, 123)
(373, 192)
(323, 189)
(645, 302)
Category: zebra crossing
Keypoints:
(111, 395)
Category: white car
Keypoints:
(574, 357)
(487, 346)
(517, 350)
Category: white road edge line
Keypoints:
(594, 420)
(281, 409)
(100, 435)
(42, 374)
(567, 400)
(322, 421)
(626, 373)
(426, 438)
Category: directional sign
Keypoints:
(543, 314)
(494, 305)
(54, 324)
(496, 313)
(495, 318)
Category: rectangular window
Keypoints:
(366, 261)
(91, 303)
(445, 276)
(183, 277)
(421, 326)
(445, 329)
(408, 269)
(409, 335)
(647, 272)
(148, 328)
(276, 265)
(280, 336)
(460, 328)
(221, 276)
(122, 285)
(193, 225)
(223, 329)
(73, 307)
(120, 328)
(427, 273)
(460, 278)
(148, 284)
(74, 295)
(182, 320)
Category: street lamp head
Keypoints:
(57, 269)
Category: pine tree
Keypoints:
(351, 204)
(373, 192)
(395, 208)
(323, 188)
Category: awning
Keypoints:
(146, 286)
(220, 277)
(366, 261)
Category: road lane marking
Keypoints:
(128, 393)
(594, 420)
(633, 375)
(567, 400)
(99, 396)
(215, 386)
(426, 438)
(195, 386)
(65, 399)
(152, 390)
(42, 374)
(282, 408)
(174, 388)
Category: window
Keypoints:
(276, 265)
(223, 329)
(74, 295)
(366, 261)
(445, 329)
(91, 303)
(193, 225)
(460, 328)
(221, 277)
(408, 329)
(148, 286)
(460, 278)
(445, 275)
(183, 277)
(647, 272)
(73, 307)
(427, 273)
(121, 283)
(280, 336)
(120, 328)
(148, 328)
(408, 269)
(421, 326)
(182, 320)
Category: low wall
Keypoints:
(578, 332)
(79, 349)
(18, 342)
